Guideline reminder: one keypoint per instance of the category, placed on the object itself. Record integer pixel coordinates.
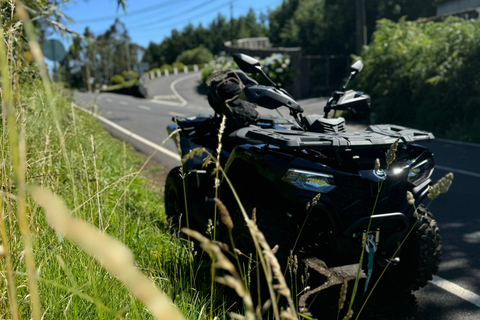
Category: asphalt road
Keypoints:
(456, 212)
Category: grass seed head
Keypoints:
(224, 214)
(222, 246)
(275, 249)
(410, 198)
(348, 315)
(315, 199)
(377, 164)
(343, 295)
(391, 152)
(441, 186)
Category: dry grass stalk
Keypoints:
(111, 253)
(18, 161)
(281, 287)
(11, 289)
(220, 261)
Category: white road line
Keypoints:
(460, 143)
(451, 287)
(176, 114)
(123, 103)
(460, 171)
(144, 107)
(182, 102)
(133, 135)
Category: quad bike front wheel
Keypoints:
(420, 255)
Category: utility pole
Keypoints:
(127, 54)
(361, 28)
(231, 22)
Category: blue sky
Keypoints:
(153, 20)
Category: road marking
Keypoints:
(144, 107)
(165, 97)
(123, 103)
(460, 143)
(182, 102)
(468, 173)
(176, 114)
(133, 135)
(451, 287)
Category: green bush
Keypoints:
(117, 79)
(426, 75)
(198, 55)
(166, 66)
(278, 68)
(178, 65)
(130, 75)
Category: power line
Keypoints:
(133, 13)
(161, 21)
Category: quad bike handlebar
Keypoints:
(273, 97)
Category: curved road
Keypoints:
(456, 292)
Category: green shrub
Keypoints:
(166, 66)
(278, 67)
(426, 75)
(198, 55)
(117, 79)
(130, 75)
(178, 65)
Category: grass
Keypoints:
(101, 187)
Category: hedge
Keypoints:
(426, 75)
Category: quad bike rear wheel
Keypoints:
(419, 257)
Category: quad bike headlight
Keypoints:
(421, 171)
(307, 180)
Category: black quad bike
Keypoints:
(278, 166)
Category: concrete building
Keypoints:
(457, 6)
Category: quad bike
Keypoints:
(278, 166)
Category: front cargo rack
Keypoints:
(374, 136)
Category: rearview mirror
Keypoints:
(246, 63)
(357, 66)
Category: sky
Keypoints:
(153, 20)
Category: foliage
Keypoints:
(328, 26)
(197, 55)
(168, 67)
(278, 67)
(99, 58)
(178, 65)
(212, 38)
(130, 75)
(117, 79)
(426, 75)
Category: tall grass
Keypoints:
(54, 268)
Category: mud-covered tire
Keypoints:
(420, 255)
(174, 198)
